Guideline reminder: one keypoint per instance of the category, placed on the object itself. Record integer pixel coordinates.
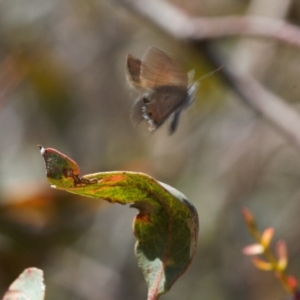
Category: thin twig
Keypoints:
(256, 55)
(11, 76)
(177, 23)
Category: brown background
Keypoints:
(63, 85)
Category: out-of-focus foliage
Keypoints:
(29, 285)
(62, 84)
(275, 262)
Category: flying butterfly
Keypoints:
(164, 88)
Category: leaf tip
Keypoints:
(248, 217)
(42, 149)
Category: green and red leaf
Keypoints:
(166, 226)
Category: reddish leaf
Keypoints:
(281, 251)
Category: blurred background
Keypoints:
(63, 85)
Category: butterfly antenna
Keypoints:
(210, 73)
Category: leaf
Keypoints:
(253, 249)
(249, 220)
(28, 286)
(262, 265)
(266, 237)
(282, 254)
(166, 226)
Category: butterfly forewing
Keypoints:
(159, 69)
(134, 71)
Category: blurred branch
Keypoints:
(178, 24)
(175, 22)
(11, 76)
(256, 55)
(284, 117)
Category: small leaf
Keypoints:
(166, 226)
(249, 220)
(266, 237)
(28, 286)
(292, 282)
(261, 264)
(281, 251)
(248, 217)
(253, 249)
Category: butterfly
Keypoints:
(165, 89)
